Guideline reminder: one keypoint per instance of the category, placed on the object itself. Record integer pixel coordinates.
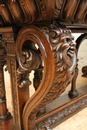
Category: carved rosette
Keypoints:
(57, 49)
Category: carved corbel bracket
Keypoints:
(57, 51)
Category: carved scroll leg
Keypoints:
(73, 92)
(4, 114)
(57, 49)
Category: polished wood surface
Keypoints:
(35, 35)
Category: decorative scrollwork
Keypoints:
(26, 60)
(57, 49)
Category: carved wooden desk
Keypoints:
(36, 35)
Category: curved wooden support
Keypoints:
(58, 54)
(73, 92)
(34, 34)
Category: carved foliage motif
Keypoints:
(63, 51)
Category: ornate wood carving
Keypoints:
(58, 53)
(19, 74)
(26, 59)
(19, 12)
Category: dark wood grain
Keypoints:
(35, 35)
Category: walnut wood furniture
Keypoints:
(37, 35)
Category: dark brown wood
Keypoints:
(35, 35)
(20, 12)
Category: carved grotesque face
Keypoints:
(64, 52)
